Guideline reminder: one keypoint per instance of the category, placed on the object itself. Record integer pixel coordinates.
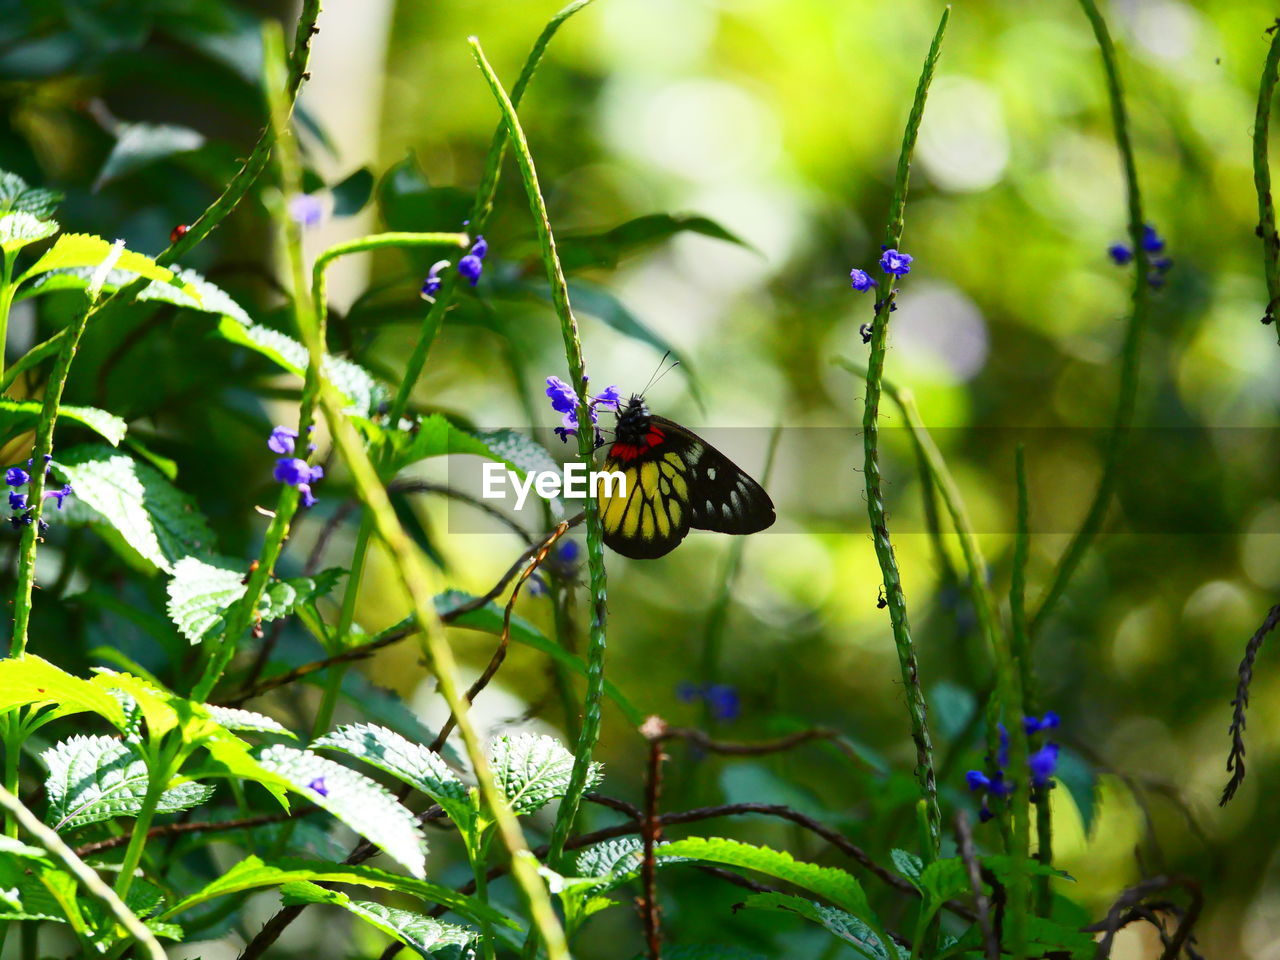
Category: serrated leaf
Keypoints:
(92, 779)
(350, 379)
(16, 195)
(251, 873)
(835, 885)
(233, 718)
(86, 250)
(615, 862)
(363, 805)
(159, 522)
(428, 937)
(202, 592)
(531, 770)
(908, 864)
(843, 925)
(407, 761)
(944, 879)
(19, 229)
(139, 144)
(205, 297)
(488, 619)
(31, 680)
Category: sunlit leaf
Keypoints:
(427, 936)
(531, 770)
(139, 144)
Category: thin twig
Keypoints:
(1262, 177)
(964, 840)
(175, 829)
(1235, 759)
(654, 730)
(1134, 896)
(504, 641)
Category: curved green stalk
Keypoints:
(586, 449)
(1131, 354)
(1262, 178)
(410, 568)
(871, 464)
(50, 840)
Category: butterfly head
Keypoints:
(633, 421)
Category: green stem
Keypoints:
(1262, 178)
(871, 465)
(586, 449)
(6, 302)
(161, 767)
(1131, 354)
(11, 725)
(480, 871)
(409, 565)
(50, 840)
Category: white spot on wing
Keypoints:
(711, 473)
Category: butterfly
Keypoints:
(675, 480)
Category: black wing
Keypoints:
(721, 496)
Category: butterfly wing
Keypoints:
(673, 481)
(649, 516)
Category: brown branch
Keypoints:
(654, 730)
(423, 486)
(706, 742)
(174, 829)
(504, 640)
(1235, 759)
(1123, 909)
(964, 840)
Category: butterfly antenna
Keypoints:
(659, 373)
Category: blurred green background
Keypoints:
(781, 120)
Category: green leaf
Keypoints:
(531, 770)
(363, 805)
(421, 933)
(251, 873)
(234, 718)
(845, 926)
(140, 144)
(17, 196)
(85, 250)
(615, 862)
(350, 379)
(838, 886)
(944, 879)
(407, 761)
(31, 680)
(11, 847)
(202, 592)
(488, 619)
(407, 202)
(204, 297)
(908, 864)
(159, 522)
(22, 894)
(19, 229)
(92, 779)
(581, 250)
(351, 195)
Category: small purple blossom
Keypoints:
(298, 473)
(306, 210)
(472, 264)
(1042, 764)
(431, 285)
(16, 477)
(318, 786)
(17, 501)
(565, 401)
(860, 280)
(59, 495)
(282, 440)
(568, 552)
(609, 400)
(1034, 725)
(721, 699)
(1152, 242)
(895, 262)
(1120, 254)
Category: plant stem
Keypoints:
(410, 568)
(1131, 355)
(871, 465)
(1262, 177)
(6, 302)
(50, 840)
(586, 449)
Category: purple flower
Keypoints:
(480, 247)
(723, 701)
(431, 285)
(17, 501)
(306, 210)
(1152, 242)
(860, 280)
(977, 780)
(563, 399)
(609, 400)
(568, 552)
(16, 477)
(687, 692)
(282, 440)
(59, 495)
(300, 474)
(1034, 725)
(1043, 763)
(895, 262)
(1120, 254)
(470, 267)
(318, 786)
